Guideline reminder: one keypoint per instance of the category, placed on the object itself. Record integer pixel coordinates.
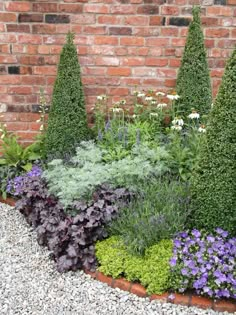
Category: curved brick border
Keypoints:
(139, 290)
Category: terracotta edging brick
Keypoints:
(139, 290)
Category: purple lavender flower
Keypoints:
(196, 233)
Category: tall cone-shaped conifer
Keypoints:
(67, 122)
(193, 80)
(214, 184)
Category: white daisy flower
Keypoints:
(178, 121)
(141, 94)
(161, 105)
(173, 97)
(101, 97)
(153, 114)
(117, 110)
(38, 121)
(148, 98)
(176, 127)
(154, 102)
(160, 94)
(194, 115)
(123, 102)
(202, 129)
(41, 128)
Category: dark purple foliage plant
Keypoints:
(205, 262)
(71, 235)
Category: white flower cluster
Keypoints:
(101, 97)
(173, 97)
(177, 124)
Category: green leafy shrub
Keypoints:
(158, 212)
(67, 123)
(193, 81)
(87, 171)
(213, 184)
(152, 270)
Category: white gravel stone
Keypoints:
(30, 284)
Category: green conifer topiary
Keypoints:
(193, 80)
(214, 184)
(67, 122)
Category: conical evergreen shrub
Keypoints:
(67, 122)
(193, 80)
(214, 184)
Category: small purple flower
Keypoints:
(196, 233)
(171, 297)
(184, 271)
(177, 243)
(173, 261)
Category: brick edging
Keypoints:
(181, 299)
(139, 290)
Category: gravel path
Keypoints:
(30, 284)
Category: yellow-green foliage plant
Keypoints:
(152, 270)
(214, 183)
(193, 80)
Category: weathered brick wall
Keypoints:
(120, 44)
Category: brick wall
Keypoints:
(120, 44)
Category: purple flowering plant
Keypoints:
(205, 263)
(15, 185)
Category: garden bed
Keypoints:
(187, 299)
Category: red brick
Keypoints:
(146, 31)
(64, 28)
(105, 40)
(156, 20)
(30, 18)
(156, 62)
(103, 278)
(178, 42)
(30, 39)
(170, 83)
(21, 6)
(49, 70)
(120, 30)
(8, 17)
(121, 91)
(132, 41)
(131, 81)
(95, 91)
(122, 284)
(201, 302)
(10, 117)
(43, 49)
(136, 20)
(33, 80)
(8, 59)
(71, 8)
(7, 38)
(96, 8)
(8, 201)
(32, 49)
(15, 126)
(229, 43)
(152, 82)
(170, 52)
(148, 9)
(166, 72)
(162, 297)
(217, 32)
(158, 42)
(119, 71)
(107, 61)
(169, 31)
(224, 306)
(44, 29)
(94, 30)
(10, 79)
(91, 273)
(27, 135)
(132, 61)
(123, 9)
(180, 299)
(45, 7)
(209, 43)
(20, 90)
(18, 28)
(174, 62)
(109, 19)
(139, 290)
(28, 117)
(169, 10)
(82, 19)
(231, 2)
(25, 70)
(209, 21)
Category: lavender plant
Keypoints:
(205, 262)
